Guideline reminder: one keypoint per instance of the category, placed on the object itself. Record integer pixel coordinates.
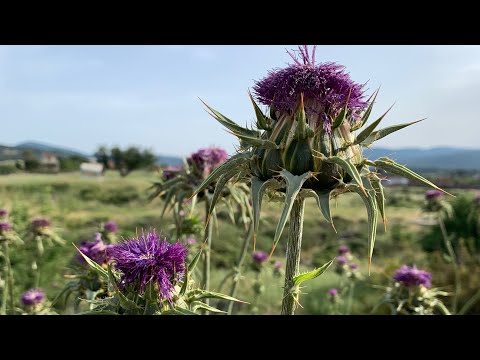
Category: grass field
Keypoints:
(76, 205)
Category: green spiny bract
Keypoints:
(308, 145)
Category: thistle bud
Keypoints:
(3, 213)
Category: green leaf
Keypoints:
(229, 124)
(194, 262)
(186, 279)
(98, 269)
(391, 166)
(323, 202)
(369, 109)
(297, 280)
(222, 181)
(204, 294)
(379, 196)
(341, 116)
(372, 212)
(377, 135)
(200, 305)
(256, 141)
(236, 161)
(261, 119)
(258, 189)
(369, 129)
(346, 165)
(294, 185)
(178, 311)
(125, 302)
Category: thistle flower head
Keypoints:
(170, 172)
(341, 260)
(353, 266)
(96, 250)
(333, 292)
(150, 258)
(205, 160)
(326, 89)
(259, 257)
(5, 226)
(433, 195)
(191, 241)
(111, 226)
(411, 276)
(343, 249)
(33, 297)
(39, 223)
(278, 265)
(3, 213)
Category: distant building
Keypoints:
(49, 163)
(91, 169)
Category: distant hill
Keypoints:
(169, 160)
(38, 147)
(440, 158)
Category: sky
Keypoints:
(81, 96)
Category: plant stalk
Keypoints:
(238, 266)
(451, 253)
(294, 245)
(207, 250)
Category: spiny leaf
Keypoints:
(229, 124)
(235, 161)
(204, 294)
(372, 212)
(218, 191)
(258, 189)
(200, 305)
(125, 302)
(379, 196)
(294, 185)
(323, 202)
(346, 165)
(261, 119)
(391, 166)
(341, 116)
(377, 135)
(194, 262)
(297, 280)
(369, 129)
(186, 279)
(256, 141)
(101, 271)
(369, 109)
(178, 311)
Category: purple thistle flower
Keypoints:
(341, 260)
(259, 257)
(170, 172)
(411, 276)
(96, 250)
(111, 226)
(333, 292)
(149, 258)
(3, 213)
(343, 249)
(353, 266)
(40, 223)
(278, 265)
(205, 160)
(433, 194)
(33, 297)
(5, 226)
(191, 241)
(325, 87)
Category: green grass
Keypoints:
(77, 204)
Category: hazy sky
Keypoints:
(83, 96)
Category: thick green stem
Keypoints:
(207, 250)
(294, 245)
(469, 303)
(451, 253)
(238, 266)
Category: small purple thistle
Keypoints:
(341, 260)
(170, 172)
(3, 213)
(259, 257)
(5, 226)
(96, 250)
(411, 276)
(433, 195)
(333, 292)
(191, 241)
(343, 249)
(278, 265)
(353, 266)
(111, 226)
(149, 258)
(40, 223)
(205, 160)
(326, 88)
(33, 297)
